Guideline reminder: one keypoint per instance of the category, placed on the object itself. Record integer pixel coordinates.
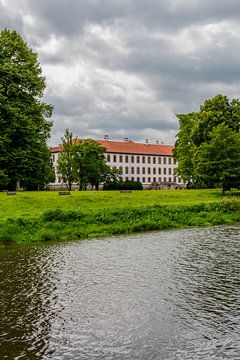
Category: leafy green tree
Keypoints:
(65, 165)
(219, 160)
(24, 128)
(183, 146)
(89, 163)
(203, 154)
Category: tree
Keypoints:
(219, 160)
(24, 128)
(183, 146)
(65, 165)
(89, 163)
(203, 154)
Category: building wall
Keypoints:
(146, 168)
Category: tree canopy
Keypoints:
(207, 146)
(82, 162)
(24, 124)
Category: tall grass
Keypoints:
(46, 216)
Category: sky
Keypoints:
(124, 68)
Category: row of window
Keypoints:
(141, 159)
(138, 170)
(154, 179)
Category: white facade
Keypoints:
(139, 162)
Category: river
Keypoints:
(161, 295)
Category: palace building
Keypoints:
(151, 164)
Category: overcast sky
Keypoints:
(125, 67)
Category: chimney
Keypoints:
(126, 139)
(106, 137)
(146, 141)
(157, 142)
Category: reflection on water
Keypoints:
(169, 295)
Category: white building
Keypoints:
(148, 163)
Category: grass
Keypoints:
(44, 216)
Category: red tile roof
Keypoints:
(130, 147)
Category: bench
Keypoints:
(125, 191)
(11, 193)
(64, 193)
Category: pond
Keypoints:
(162, 295)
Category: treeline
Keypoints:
(208, 145)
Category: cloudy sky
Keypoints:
(125, 67)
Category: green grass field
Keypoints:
(42, 216)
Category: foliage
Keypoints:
(207, 145)
(24, 155)
(122, 185)
(82, 162)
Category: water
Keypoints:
(169, 295)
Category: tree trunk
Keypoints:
(18, 185)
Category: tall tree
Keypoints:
(24, 124)
(207, 143)
(65, 165)
(89, 163)
(219, 159)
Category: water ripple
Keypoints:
(169, 295)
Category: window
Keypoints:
(114, 158)
(59, 179)
(159, 179)
(126, 178)
(149, 179)
(149, 160)
(120, 158)
(149, 170)
(164, 179)
(108, 158)
(164, 160)
(159, 160)
(174, 161)
(132, 178)
(179, 179)
(154, 179)
(169, 161)
(132, 159)
(154, 160)
(159, 171)
(174, 179)
(143, 170)
(138, 179)
(138, 159)
(132, 170)
(169, 171)
(126, 170)
(138, 170)
(126, 159)
(143, 179)
(120, 169)
(170, 179)
(165, 171)
(53, 158)
(143, 159)
(154, 171)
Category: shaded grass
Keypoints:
(87, 215)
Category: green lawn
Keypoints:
(42, 216)
(34, 204)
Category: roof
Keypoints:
(130, 147)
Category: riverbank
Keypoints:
(44, 216)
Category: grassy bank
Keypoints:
(43, 216)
